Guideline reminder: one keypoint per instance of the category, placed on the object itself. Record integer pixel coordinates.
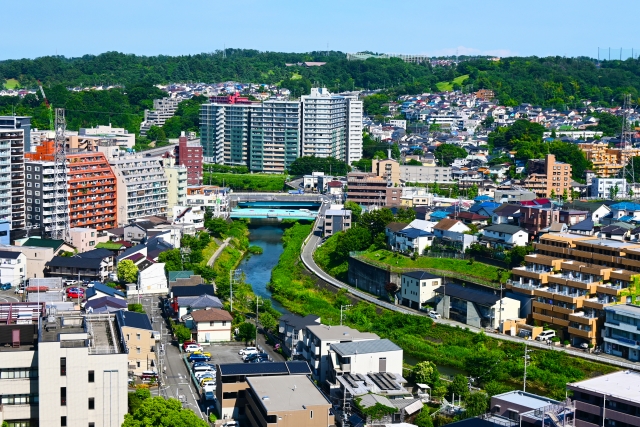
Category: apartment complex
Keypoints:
(141, 187)
(7, 136)
(269, 136)
(47, 203)
(621, 335)
(607, 162)
(176, 186)
(371, 190)
(189, 156)
(16, 143)
(163, 109)
(548, 177)
(60, 372)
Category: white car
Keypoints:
(209, 386)
(247, 350)
(434, 314)
(230, 424)
(192, 348)
(546, 335)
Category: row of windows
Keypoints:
(18, 399)
(37, 184)
(12, 373)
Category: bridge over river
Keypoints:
(276, 205)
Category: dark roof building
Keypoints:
(99, 290)
(133, 320)
(420, 275)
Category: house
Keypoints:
(572, 216)
(451, 225)
(105, 305)
(334, 188)
(211, 325)
(623, 209)
(534, 219)
(484, 208)
(291, 330)
(152, 279)
(137, 231)
(99, 290)
(422, 225)
(526, 410)
(189, 304)
(469, 218)
(138, 340)
(437, 216)
(286, 397)
(586, 227)
(506, 214)
(336, 219)
(477, 306)
(58, 246)
(104, 254)
(405, 408)
(363, 357)
(617, 231)
(13, 267)
(417, 288)
(413, 240)
(37, 258)
(184, 278)
(176, 292)
(452, 233)
(504, 235)
(391, 229)
(76, 267)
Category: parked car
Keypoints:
(186, 343)
(69, 282)
(19, 289)
(5, 286)
(247, 350)
(208, 395)
(259, 360)
(205, 375)
(206, 353)
(193, 348)
(195, 365)
(92, 284)
(75, 293)
(231, 424)
(206, 380)
(198, 358)
(434, 314)
(255, 356)
(209, 386)
(546, 335)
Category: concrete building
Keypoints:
(85, 239)
(324, 124)
(426, 174)
(609, 400)
(120, 136)
(141, 187)
(388, 169)
(548, 176)
(224, 133)
(12, 182)
(211, 325)
(418, 288)
(292, 329)
(476, 306)
(604, 188)
(13, 267)
(368, 189)
(355, 112)
(286, 397)
(138, 341)
(189, 155)
(36, 258)
(621, 336)
(529, 410)
(163, 109)
(152, 279)
(319, 338)
(43, 195)
(213, 199)
(363, 357)
(336, 219)
(607, 162)
(176, 186)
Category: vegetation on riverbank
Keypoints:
(498, 365)
(246, 182)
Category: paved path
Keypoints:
(217, 252)
(314, 239)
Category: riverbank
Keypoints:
(497, 364)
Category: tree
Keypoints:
(172, 260)
(135, 399)
(472, 193)
(613, 192)
(156, 133)
(376, 221)
(161, 412)
(218, 227)
(308, 164)
(405, 214)
(488, 122)
(391, 288)
(459, 386)
(354, 239)
(268, 322)
(356, 210)
(447, 153)
(426, 373)
(565, 195)
(137, 308)
(424, 418)
(553, 193)
(418, 152)
(476, 404)
(182, 333)
(414, 162)
(246, 332)
(395, 152)
(127, 271)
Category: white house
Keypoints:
(188, 215)
(211, 325)
(152, 279)
(364, 357)
(601, 187)
(453, 232)
(413, 240)
(505, 235)
(13, 267)
(418, 288)
(421, 224)
(451, 225)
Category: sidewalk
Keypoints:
(218, 251)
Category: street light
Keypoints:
(343, 307)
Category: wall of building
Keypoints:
(216, 332)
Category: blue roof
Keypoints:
(104, 289)
(626, 206)
(412, 233)
(438, 214)
(626, 218)
(483, 199)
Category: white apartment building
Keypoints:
(119, 136)
(12, 200)
(163, 109)
(224, 133)
(317, 342)
(47, 199)
(602, 187)
(355, 111)
(363, 357)
(13, 267)
(324, 124)
(7, 138)
(141, 187)
(71, 372)
(425, 174)
(176, 186)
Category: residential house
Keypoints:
(617, 231)
(625, 209)
(469, 218)
(586, 227)
(36, 258)
(391, 229)
(597, 210)
(58, 246)
(418, 288)
(336, 219)
(423, 225)
(534, 219)
(507, 214)
(504, 235)
(85, 239)
(99, 290)
(513, 196)
(335, 188)
(363, 357)
(484, 208)
(412, 240)
(152, 279)
(13, 267)
(525, 410)
(189, 304)
(76, 267)
(211, 325)
(451, 232)
(177, 292)
(572, 217)
(138, 340)
(291, 330)
(105, 305)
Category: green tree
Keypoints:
(405, 214)
(447, 153)
(459, 386)
(136, 398)
(269, 322)
(376, 221)
(414, 162)
(138, 308)
(160, 412)
(395, 152)
(472, 193)
(609, 124)
(356, 210)
(156, 133)
(218, 227)
(172, 260)
(354, 239)
(426, 373)
(424, 418)
(565, 195)
(127, 271)
(476, 404)
(182, 333)
(246, 332)
(308, 164)
(418, 152)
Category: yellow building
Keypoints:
(607, 162)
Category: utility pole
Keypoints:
(232, 276)
(343, 307)
(257, 308)
(526, 359)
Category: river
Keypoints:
(257, 268)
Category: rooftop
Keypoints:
(340, 333)
(133, 320)
(43, 243)
(364, 347)
(421, 275)
(623, 385)
(529, 400)
(626, 309)
(286, 393)
(272, 368)
(210, 315)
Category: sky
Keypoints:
(467, 27)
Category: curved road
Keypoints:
(310, 245)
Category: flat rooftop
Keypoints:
(622, 385)
(340, 333)
(529, 400)
(286, 393)
(610, 243)
(627, 309)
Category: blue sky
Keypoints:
(491, 27)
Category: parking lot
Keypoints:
(224, 353)
(10, 296)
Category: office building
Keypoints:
(189, 156)
(60, 372)
(141, 187)
(608, 400)
(296, 399)
(47, 203)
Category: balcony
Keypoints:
(522, 287)
(589, 334)
(611, 289)
(542, 318)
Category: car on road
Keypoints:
(193, 348)
(208, 395)
(5, 286)
(546, 335)
(75, 293)
(209, 385)
(434, 314)
(231, 424)
(247, 350)
(198, 358)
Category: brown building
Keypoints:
(536, 218)
(388, 169)
(371, 190)
(138, 340)
(548, 176)
(287, 400)
(607, 162)
(189, 155)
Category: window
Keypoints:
(36, 176)
(311, 414)
(37, 209)
(28, 192)
(63, 396)
(224, 323)
(28, 200)
(63, 366)
(28, 176)
(137, 336)
(11, 373)
(37, 193)
(37, 185)
(63, 421)
(37, 168)
(92, 403)
(28, 168)
(138, 350)
(92, 377)
(92, 424)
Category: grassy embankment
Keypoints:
(498, 364)
(246, 182)
(11, 83)
(448, 86)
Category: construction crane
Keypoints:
(46, 102)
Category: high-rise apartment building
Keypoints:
(18, 122)
(189, 155)
(17, 182)
(47, 205)
(6, 137)
(176, 186)
(224, 133)
(141, 187)
(548, 177)
(274, 141)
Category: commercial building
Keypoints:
(141, 187)
(59, 371)
(137, 340)
(47, 201)
(548, 176)
(418, 287)
(621, 335)
(189, 155)
(286, 397)
(607, 400)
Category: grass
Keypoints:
(11, 83)
(246, 182)
(209, 251)
(448, 86)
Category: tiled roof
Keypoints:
(210, 315)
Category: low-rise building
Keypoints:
(363, 357)
(621, 336)
(211, 325)
(412, 240)
(86, 239)
(418, 288)
(138, 340)
(336, 219)
(36, 258)
(13, 267)
(504, 235)
(151, 278)
(291, 330)
(604, 188)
